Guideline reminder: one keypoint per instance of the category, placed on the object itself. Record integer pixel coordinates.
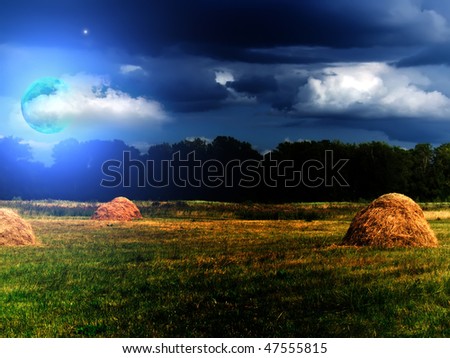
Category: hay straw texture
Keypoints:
(119, 209)
(392, 220)
(14, 231)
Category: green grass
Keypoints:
(197, 270)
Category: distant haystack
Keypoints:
(14, 231)
(392, 220)
(120, 209)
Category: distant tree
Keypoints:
(15, 156)
(160, 152)
(379, 168)
(13, 150)
(198, 145)
(441, 173)
(371, 169)
(77, 169)
(234, 155)
(226, 149)
(422, 183)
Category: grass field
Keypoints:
(201, 269)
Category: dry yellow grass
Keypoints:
(14, 231)
(437, 214)
(119, 209)
(392, 220)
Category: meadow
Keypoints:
(205, 269)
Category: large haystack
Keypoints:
(119, 209)
(14, 231)
(392, 220)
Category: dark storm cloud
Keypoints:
(188, 94)
(417, 131)
(255, 55)
(271, 23)
(280, 96)
(228, 30)
(432, 132)
(181, 84)
(255, 84)
(284, 57)
(434, 55)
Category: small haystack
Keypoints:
(392, 220)
(14, 231)
(120, 209)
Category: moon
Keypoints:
(36, 111)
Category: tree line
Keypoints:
(225, 169)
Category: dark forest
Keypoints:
(225, 169)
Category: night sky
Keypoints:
(263, 71)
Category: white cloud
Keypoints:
(91, 99)
(371, 90)
(423, 23)
(193, 139)
(224, 76)
(126, 69)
